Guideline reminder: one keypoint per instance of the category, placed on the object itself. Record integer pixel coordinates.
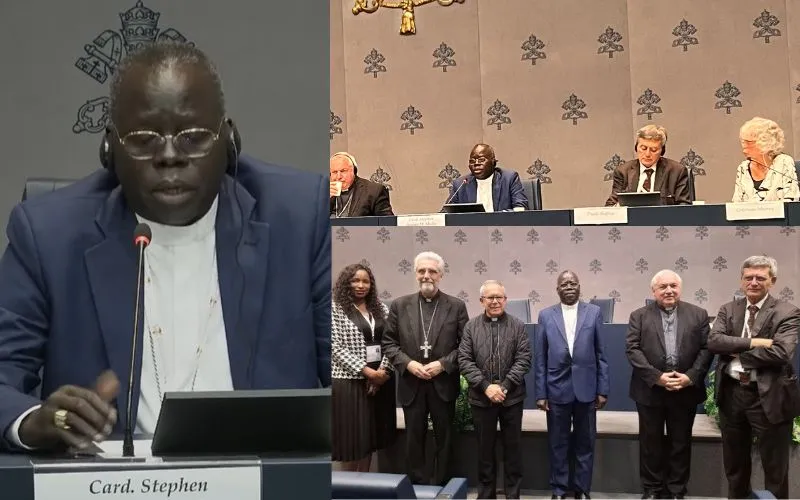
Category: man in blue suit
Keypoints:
(236, 282)
(571, 383)
(498, 190)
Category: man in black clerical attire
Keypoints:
(421, 341)
(354, 196)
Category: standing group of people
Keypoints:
(426, 340)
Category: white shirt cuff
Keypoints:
(13, 431)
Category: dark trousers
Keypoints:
(581, 418)
(485, 420)
(665, 460)
(427, 401)
(741, 419)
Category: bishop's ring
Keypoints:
(60, 419)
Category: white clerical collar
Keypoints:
(164, 235)
(568, 307)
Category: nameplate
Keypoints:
(200, 483)
(754, 210)
(420, 220)
(600, 215)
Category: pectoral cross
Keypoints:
(425, 348)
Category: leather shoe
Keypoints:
(580, 495)
(650, 494)
(562, 497)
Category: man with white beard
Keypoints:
(421, 341)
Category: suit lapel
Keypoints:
(633, 177)
(738, 317)
(497, 190)
(355, 198)
(412, 313)
(766, 312)
(558, 313)
(581, 318)
(242, 286)
(655, 320)
(661, 172)
(442, 312)
(111, 268)
(471, 190)
(683, 321)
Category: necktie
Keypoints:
(752, 319)
(648, 172)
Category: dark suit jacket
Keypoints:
(68, 281)
(647, 354)
(671, 179)
(507, 191)
(403, 336)
(561, 378)
(368, 198)
(777, 383)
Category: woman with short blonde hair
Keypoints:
(767, 173)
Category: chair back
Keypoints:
(36, 186)
(606, 308)
(533, 191)
(519, 308)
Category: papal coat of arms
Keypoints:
(103, 55)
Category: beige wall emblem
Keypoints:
(407, 24)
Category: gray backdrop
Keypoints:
(612, 262)
(272, 56)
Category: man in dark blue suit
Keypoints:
(499, 190)
(571, 383)
(236, 282)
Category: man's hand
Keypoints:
(434, 368)
(416, 369)
(89, 416)
(381, 376)
(756, 342)
(495, 393)
(664, 379)
(542, 404)
(335, 189)
(600, 402)
(677, 381)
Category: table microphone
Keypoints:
(141, 238)
(775, 170)
(463, 183)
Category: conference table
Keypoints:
(677, 215)
(39, 477)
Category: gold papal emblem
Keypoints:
(407, 25)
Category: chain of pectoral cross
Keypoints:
(426, 347)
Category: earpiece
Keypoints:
(106, 153)
(233, 143)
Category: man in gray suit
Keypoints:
(756, 387)
(421, 341)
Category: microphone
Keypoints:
(141, 238)
(776, 171)
(463, 183)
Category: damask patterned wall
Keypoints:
(558, 87)
(615, 262)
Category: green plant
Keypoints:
(463, 410)
(713, 411)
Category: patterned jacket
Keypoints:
(348, 349)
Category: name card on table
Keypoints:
(754, 210)
(223, 482)
(600, 215)
(420, 220)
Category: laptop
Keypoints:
(463, 208)
(639, 199)
(263, 422)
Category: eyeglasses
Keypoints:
(193, 142)
(492, 298)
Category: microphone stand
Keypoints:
(127, 443)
